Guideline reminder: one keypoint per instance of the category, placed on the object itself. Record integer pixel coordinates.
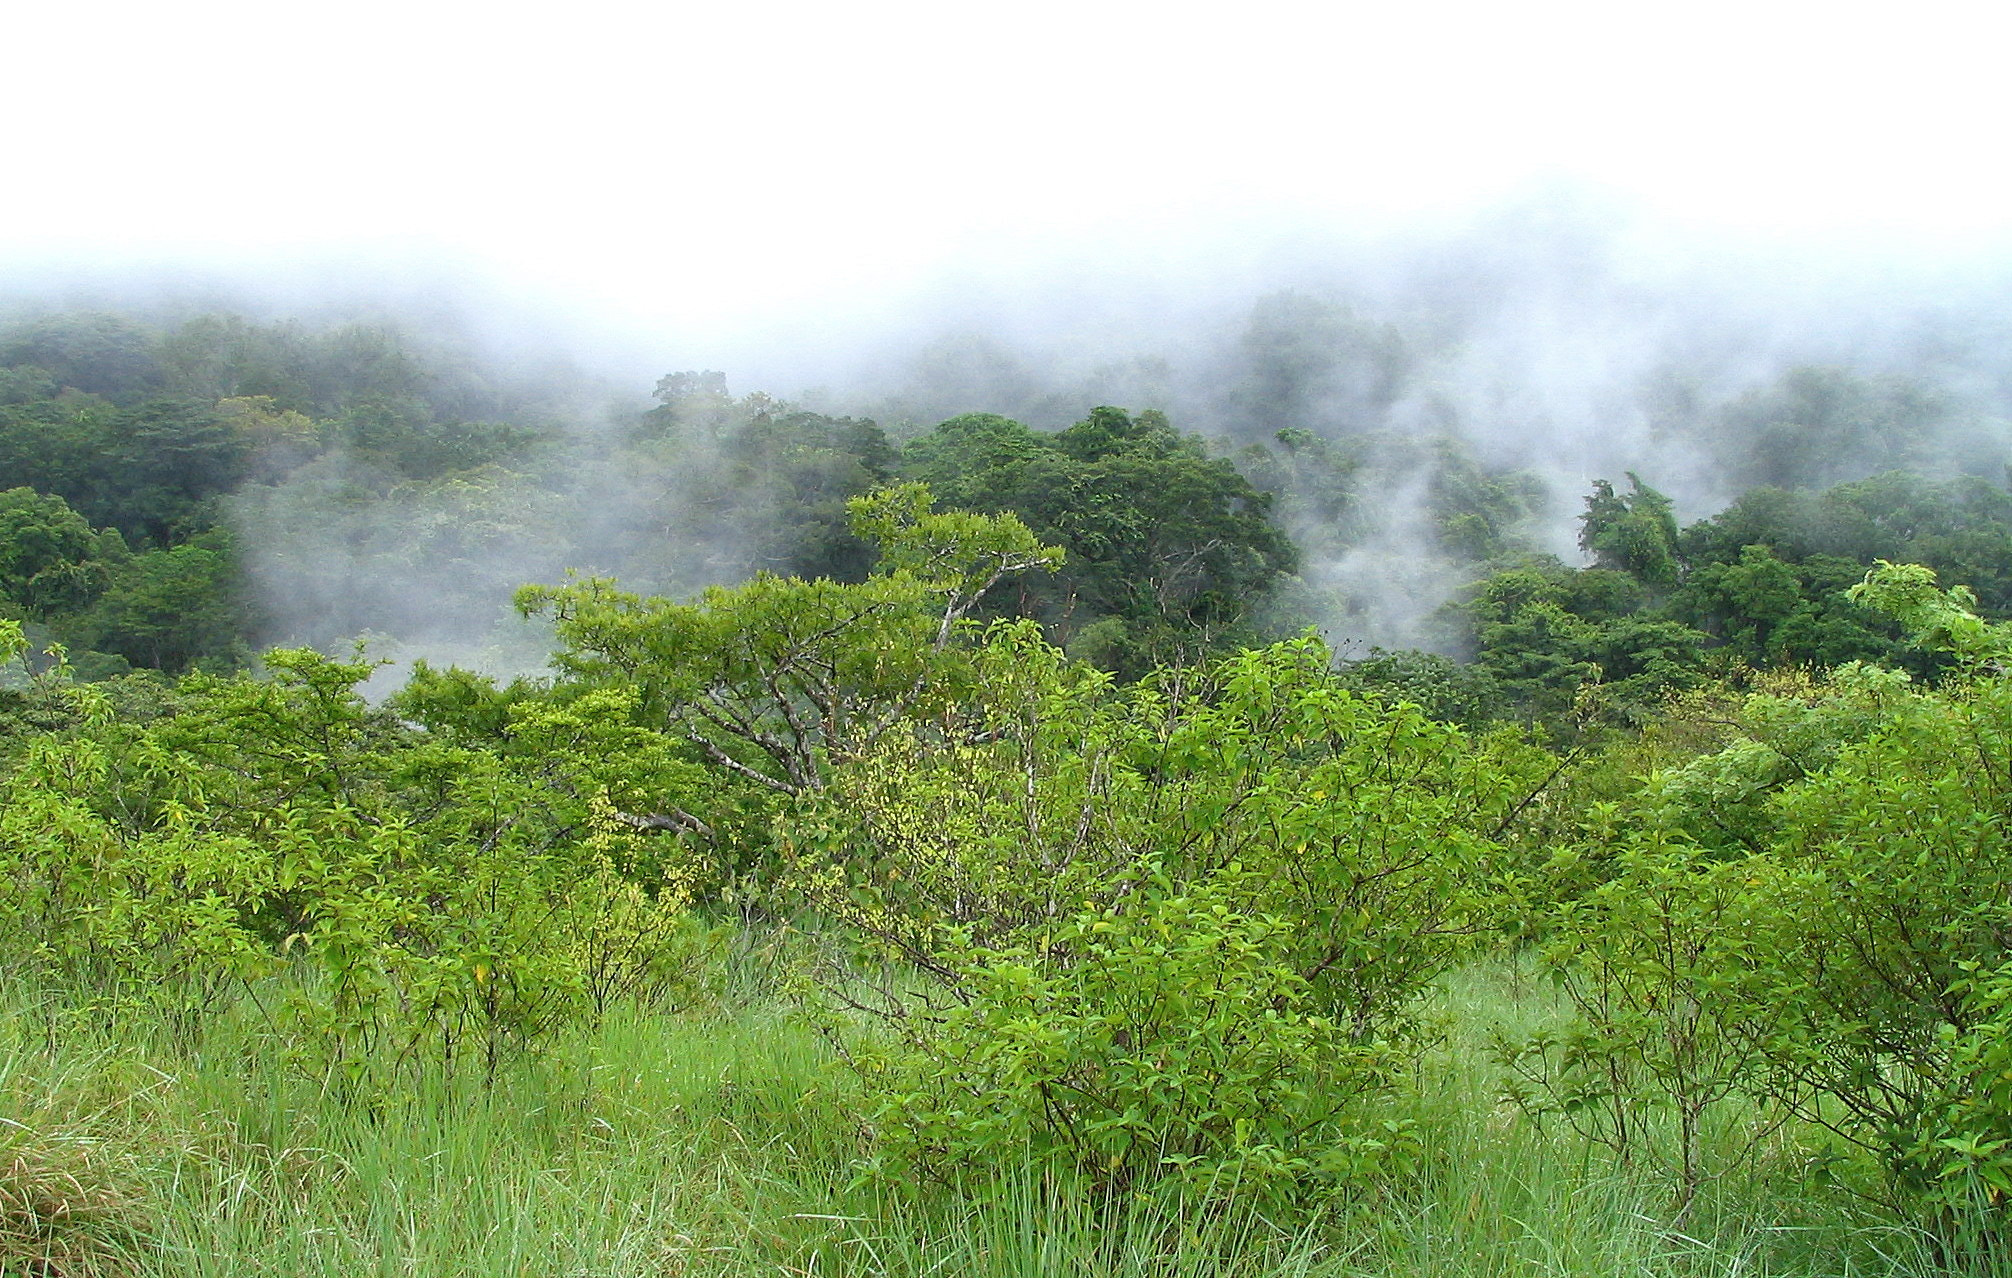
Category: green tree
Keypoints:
(753, 484)
(1307, 363)
(1480, 515)
(775, 679)
(1634, 532)
(171, 609)
(1817, 425)
(91, 351)
(1547, 634)
(1449, 691)
(172, 456)
(51, 560)
(1815, 914)
(442, 902)
(1169, 549)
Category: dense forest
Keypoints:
(180, 495)
(802, 839)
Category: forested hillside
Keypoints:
(951, 845)
(180, 494)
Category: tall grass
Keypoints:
(71, 1189)
(724, 1142)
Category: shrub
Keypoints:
(1080, 889)
(1175, 1040)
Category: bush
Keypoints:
(1851, 968)
(1175, 1040)
(1180, 927)
(422, 901)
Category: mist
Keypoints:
(1560, 338)
(1554, 339)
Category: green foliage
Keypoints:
(146, 469)
(1653, 961)
(426, 901)
(171, 609)
(1307, 361)
(94, 352)
(1548, 635)
(1897, 885)
(1177, 546)
(345, 373)
(1480, 515)
(1816, 425)
(1736, 587)
(1961, 1160)
(1946, 622)
(51, 561)
(1177, 1044)
(774, 680)
(760, 484)
(1810, 916)
(1788, 727)
(955, 554)
(1636, 533)
(1445, 689)
(1766, 582)
(1325, 857)
(765, 679)
(1165, 932)
(156, 917)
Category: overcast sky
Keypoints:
(734, 164)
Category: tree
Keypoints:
(1814, 914)
(91, 351)
(51, 560)
(1545, 633)
(751, 484)
(1634, 533)
(1305, 363)
(1169, 549)
(169, 457)
(171, 609)
(1818, 425)
(1480, 515)
(692, 401)
(775, 680)
(1448, 691)
(1169, 933)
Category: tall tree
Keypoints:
(1634, 532)
(775, 679)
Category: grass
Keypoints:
(723, 1142)
(72, 1185)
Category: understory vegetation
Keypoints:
(818, 928)
(992, 890)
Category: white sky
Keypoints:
(681, 164)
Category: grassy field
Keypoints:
(725, 1141)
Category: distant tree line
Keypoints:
(174, 494)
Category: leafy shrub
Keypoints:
(157, 918)
(1065, 871)
(424, 901)
(1656, 963)
(1849, 969)
(1961, 1159)
(1176, 1040)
